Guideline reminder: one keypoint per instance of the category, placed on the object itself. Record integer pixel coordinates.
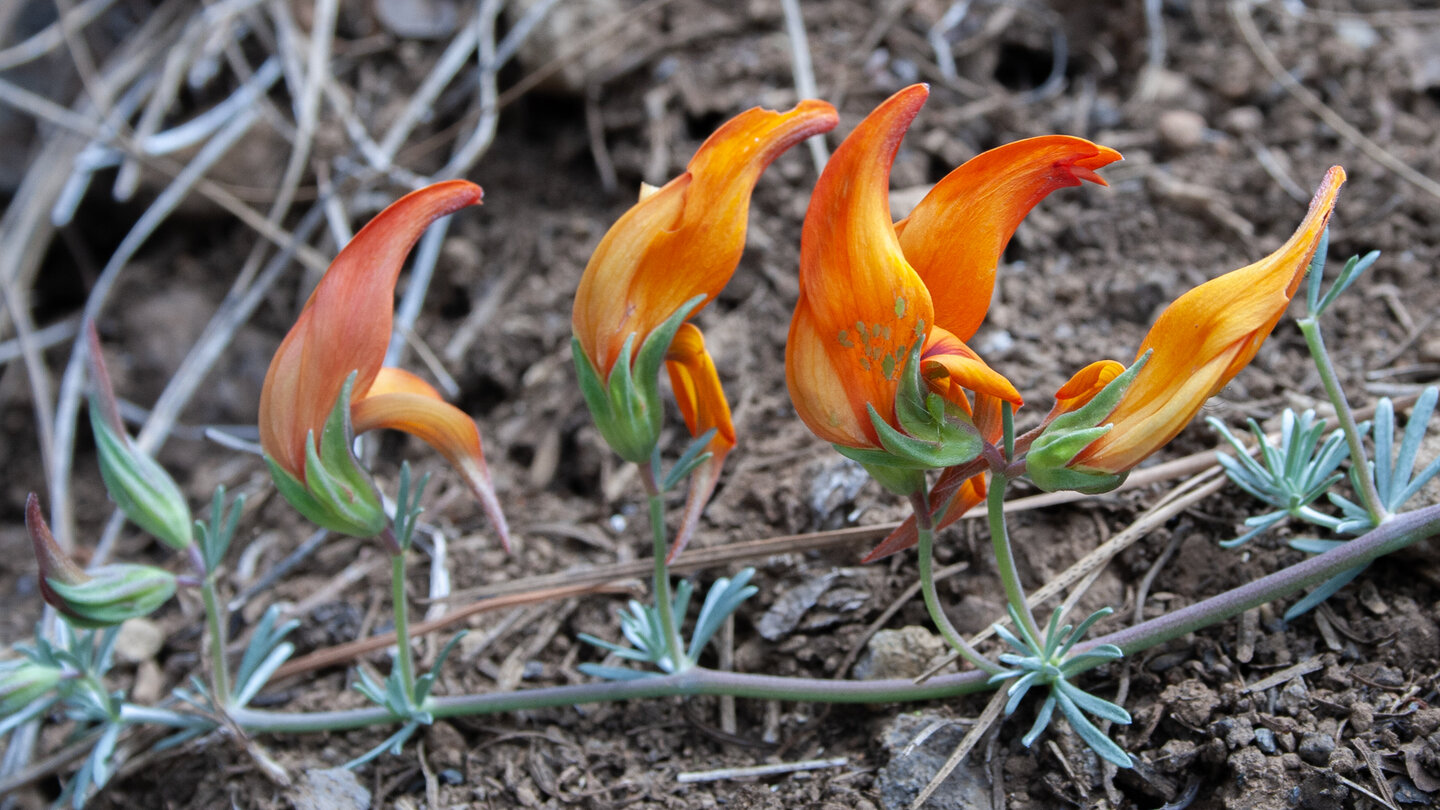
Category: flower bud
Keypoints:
(21, 682)
(104, 597)
(140, 487)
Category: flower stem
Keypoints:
(404, 657)
(925, 531)
(663, 601)
(216, 623)
(1395, 534)
(1369, 496)
(1005, 554)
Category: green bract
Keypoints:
(112, 594)
(626, 407)
(1047, 463)
(337, 492)
(936, 434)
(141, 488)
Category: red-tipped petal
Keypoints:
(955, 236)
(345, 325)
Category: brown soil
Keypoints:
(1219, 161)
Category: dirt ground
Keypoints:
(1220, 159)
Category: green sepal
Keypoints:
(337, 492)
(112, 594)
(23, 682)
(936, 432)
(1047, 464)
(627, 408)
(141, 488)
(902, 481)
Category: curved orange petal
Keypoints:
(697, 388)
(684, 239)
(392, 380)
(438, 424)
(1084, 385)
(952, 368)
(955, 236)
(1203, 339)
(702, 404)
(861, 305)
(345, 325)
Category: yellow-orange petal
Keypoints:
(862, 306)
(951, 368)
(702, 404)
(345, 325)
(443, 427)
(684, 239)
(955, 236)
(817, 377)
(697, 388)
(1203, 339)
(1084, 385)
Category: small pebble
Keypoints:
(1245, 120)
(1182, 130)
(450, 776)
(1316, 748)
(1343, 761)
(1265, 740)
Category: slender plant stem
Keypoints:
(663, 601)
(925, 531)
(1395, 534)
(215, 621)
(1005, 554)
(1310, 328)
(401, 606)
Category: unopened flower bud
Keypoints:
(104, 597)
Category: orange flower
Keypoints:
(339, 343)
(664, 260)
(871, 291)
(1197, 345)
(685, 238)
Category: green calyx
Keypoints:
(22, 682)
(933, 434)
(626, 407)
(337, 492)
(1047, 463)
(141, 488)
(112, 594)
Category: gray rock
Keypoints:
(330, 789)
(903, 653)
(908, 772)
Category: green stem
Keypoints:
(925, 531)
(401, 606)
(215, 621)
(1394, 535)
(1369, 497)
(663, 601)
(1005, 554)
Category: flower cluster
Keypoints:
(877, 362)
